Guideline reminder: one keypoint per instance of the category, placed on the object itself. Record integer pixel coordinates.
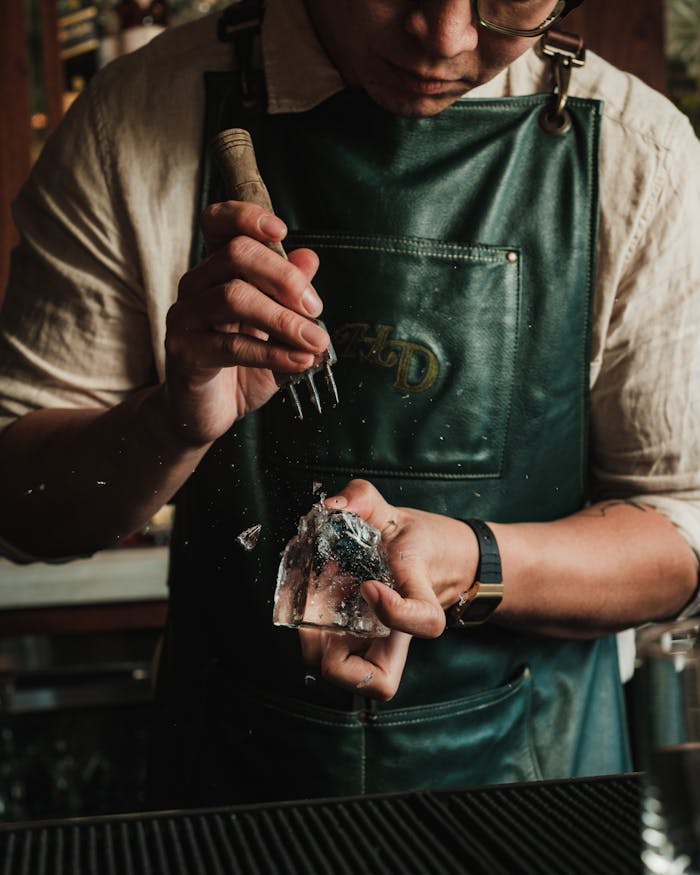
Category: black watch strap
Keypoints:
(477, 603)
(489, 568)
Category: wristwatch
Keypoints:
(477, 603)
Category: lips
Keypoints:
(421, 83)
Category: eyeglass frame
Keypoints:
(560, 9)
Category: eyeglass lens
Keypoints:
(517, 14)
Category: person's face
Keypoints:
(413, 57)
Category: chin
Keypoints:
(411, 106)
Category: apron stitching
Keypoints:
(344, 722)
(530, 733)
(593, 170)
(409, 250)
(387, 472)
(470, 702)
(405, 241)
(431, 717)
(535, 100)
(514, 358)
(433, 712)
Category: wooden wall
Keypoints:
(630, 33)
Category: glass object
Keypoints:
(322, 567)
(668, 726)
(525, 18)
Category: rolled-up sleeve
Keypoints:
(645, 401)
(74, 328)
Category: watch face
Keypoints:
(485, 601)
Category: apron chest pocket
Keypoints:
(425, 373)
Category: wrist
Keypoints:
(483, 595)
(168, 432)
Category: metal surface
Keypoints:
(586, 826)
(323, 364)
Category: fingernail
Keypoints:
(300, 358)
(338, 501)
(311, 302)
(369, 593)
(272, 226)
(312, 334)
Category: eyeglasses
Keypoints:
(520, 17)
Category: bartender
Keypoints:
(507, 261)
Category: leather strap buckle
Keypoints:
(565, 50)
(240, 24)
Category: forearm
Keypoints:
(75, 481)
(610, 566)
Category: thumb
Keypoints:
(364, 499)
(417, 612)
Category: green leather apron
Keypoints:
(457, 262)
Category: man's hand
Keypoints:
(433, 559)
(240, 315)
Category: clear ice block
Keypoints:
(322, 567)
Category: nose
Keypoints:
(445, 28)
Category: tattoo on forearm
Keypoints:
(601, 510)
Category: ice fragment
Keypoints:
(248, 539)
(322, 567)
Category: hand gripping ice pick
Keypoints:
(235, 158)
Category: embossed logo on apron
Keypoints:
(416, 366)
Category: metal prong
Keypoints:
(292, 392)
(313, 392)
(330, 382)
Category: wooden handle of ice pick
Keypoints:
(233, 152)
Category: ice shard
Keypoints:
(322, 567)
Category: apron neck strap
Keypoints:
(240, 25)
(565, 51)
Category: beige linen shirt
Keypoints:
(108, 215)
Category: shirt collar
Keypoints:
(300, 75)
(298, 72)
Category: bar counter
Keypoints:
(585, 826)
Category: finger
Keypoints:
(226, 307)
(374, 669)
(306, 260)
(311, 641)
(248, 259)
(361, 497)
(223, 221)
(415, 609)
(217, 349)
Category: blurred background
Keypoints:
(77, 641)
